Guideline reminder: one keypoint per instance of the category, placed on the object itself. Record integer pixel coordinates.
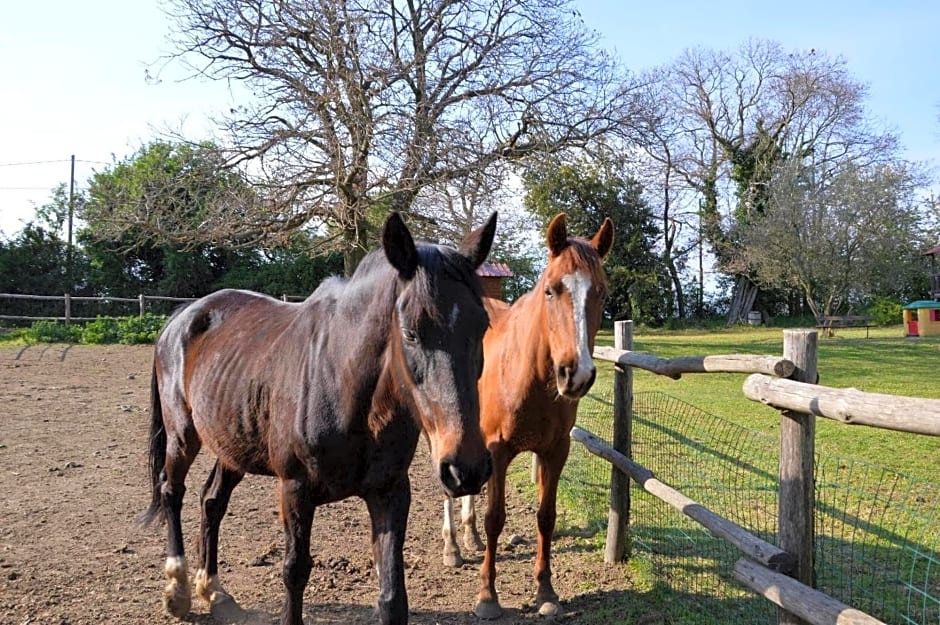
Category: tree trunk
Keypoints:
(742, 299)
(354, 248)
(677, 286)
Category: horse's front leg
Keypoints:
(550, 466)
(389, 514)
(297, 514)
(215, 498)
(452, 555)
(487, 606)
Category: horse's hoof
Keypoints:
(453, 560)
(549, 608)
(176, 600)
(488, 609)
(225, 609)
(472, 542)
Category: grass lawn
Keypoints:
(887, 362)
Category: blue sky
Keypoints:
(73, 72)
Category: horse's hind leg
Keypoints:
(468, 518)
(182, 446)
(215, 497)
(452, 555)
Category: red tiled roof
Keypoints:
(933, 250)
(494, 270)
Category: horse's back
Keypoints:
(242, 318)
(224, 362)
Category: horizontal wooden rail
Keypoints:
(675, 367)
(36, 297)
(850, 406)
(755, 547)
(809, 604)
(16, 318)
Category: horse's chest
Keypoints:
(534, 426)
(341, 464)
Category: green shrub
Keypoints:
(127, 330)
(136, 330)
(101, 330)
(52, 332)
(885, 311)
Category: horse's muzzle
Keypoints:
(460, 478)
(574, 382)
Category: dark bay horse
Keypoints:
(537, 365)
(328, 395)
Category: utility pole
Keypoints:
(68, 250)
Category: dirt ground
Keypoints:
(73, 476)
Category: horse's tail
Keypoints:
(157, 453)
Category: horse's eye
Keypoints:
(409, 335)
(548, 292)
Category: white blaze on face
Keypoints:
(578, 285)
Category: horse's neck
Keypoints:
(525, 354)
(358, 328)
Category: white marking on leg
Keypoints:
(452, 555)
(467, 513)
(468, 517)
(209, 588)
(448, 530)
(175, 567)
(578, 285)
(176, 596)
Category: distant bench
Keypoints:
(827, 323)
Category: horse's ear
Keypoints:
(604, 239)
(399, 246)
(557, 235)
(477, 244)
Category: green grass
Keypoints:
(684, 580)
(887, 362)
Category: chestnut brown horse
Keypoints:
(328, 395)
(537, 365)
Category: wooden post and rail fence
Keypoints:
(67, 300)
(782, 573)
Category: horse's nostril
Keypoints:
(455, 473)
(459, 480)
(451, 476)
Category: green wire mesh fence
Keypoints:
(878, 532)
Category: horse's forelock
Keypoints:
(579, 254)
(436, 263)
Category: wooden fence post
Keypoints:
(143, 304)
(797, 448)
(617, 548)
(68, 308)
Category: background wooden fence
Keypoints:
(782, 573)
(104, 306)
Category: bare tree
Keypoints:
(359, 104)
(741, 114)
(657, 131)
(841, 236)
